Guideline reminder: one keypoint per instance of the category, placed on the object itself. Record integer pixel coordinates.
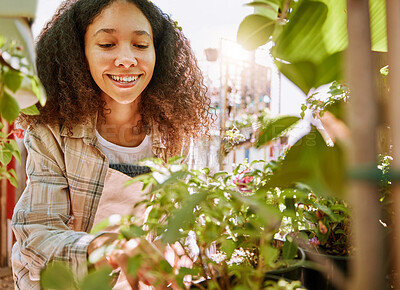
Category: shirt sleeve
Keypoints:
(41, 216)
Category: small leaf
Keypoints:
(38, 89)
(13, 80)
(100, 226)
(274, 128)
(289, 250)
(99, 279)
(32, 110)
(5, 156)
(228, 246)
(15, 150)
(265, 8)
(254, 31)
(131, 231)
(9, 107)
(134, 264)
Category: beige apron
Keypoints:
(119, 199)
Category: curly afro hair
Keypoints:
(175, 99)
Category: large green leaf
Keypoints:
(334, 29)
(329, 70)
(274, 128)
(57, 276)
(255, 30)
(302, 74)
(302, 39)
(307, 75)
(377, 11)
(9, 108)
(99, 280)
(310, 161)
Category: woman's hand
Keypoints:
(149, 257)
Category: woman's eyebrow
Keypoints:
(112, 30)
(105, 30)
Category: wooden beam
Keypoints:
(367, 269)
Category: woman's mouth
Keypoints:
(124, 79)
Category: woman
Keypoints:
(122, 84)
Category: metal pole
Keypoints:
(368, 263)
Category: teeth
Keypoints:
(124, 79)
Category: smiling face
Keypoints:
(120, 52)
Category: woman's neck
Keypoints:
(119, 123)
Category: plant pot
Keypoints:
(293, 272)
(314, 278)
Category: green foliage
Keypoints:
(338, 93)
(309, 37)
(312, 162)
(59, 277)
(274, 128)
(14, 71)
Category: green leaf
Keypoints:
(5, 156)
(377, 11)
(15, 150)
(265, 8)
(302, 39)
(329, 70)
(228, 246)
(1, 40)
(131, 231)
(182, 217)
(310, 161)
(134, 264)
(58, 276)
(9, 107)
(99, 279)
(334, 30)
(13, 80)
(32, 110)
(100, 226)
(289, 250)
(274, 128)
(270, 255)
(175, 159)
(13, 178)
(302, 74)
(255, 30)
(38, 89)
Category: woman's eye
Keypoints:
(106, 45)
(141, 46)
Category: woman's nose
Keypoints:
(126, 59)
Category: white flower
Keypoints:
(160, 178)
(176, 168)
(114, 219)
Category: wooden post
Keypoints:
(3, 215)
(393, 109)
(368, 265)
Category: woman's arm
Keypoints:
(41, 216)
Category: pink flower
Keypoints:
(18, 133)
(242, 180)
(314, 242)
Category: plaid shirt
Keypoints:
(52, 219)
